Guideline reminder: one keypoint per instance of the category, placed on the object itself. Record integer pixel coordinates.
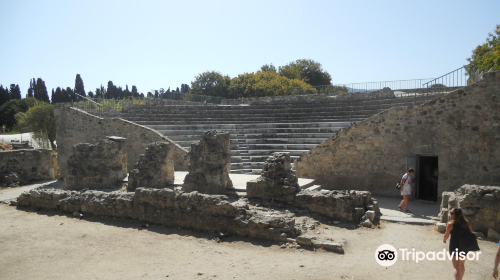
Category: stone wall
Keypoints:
(155, 168)
(164, 206)
(461, 128)
(75, 126)
(100, 166)
(23, 166)
(210, 164)
(479, 204)
(278, 183)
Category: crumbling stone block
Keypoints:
(99, 166)
(277, 180)
(479, 204)
(210, 164)
(155, 168)
(9, 180)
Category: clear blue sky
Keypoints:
(161, 44)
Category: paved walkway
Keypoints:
(422, 212)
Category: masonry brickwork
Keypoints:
(75, 126)
(461, 128)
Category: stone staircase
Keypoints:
(258, 130)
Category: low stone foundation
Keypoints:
(22, 166)
(278, 183)
(480, 205)
(167, 207)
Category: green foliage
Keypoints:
(4, 95)
(79, 88)
(39, 119)
(307, 70)
(9, 110)
(264, 83)
(438, 86)
(15, 92)
(268, 68)
(211, 83)
(40, 90)
(486, 56)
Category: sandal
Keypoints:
(407, 211)
(400, 208)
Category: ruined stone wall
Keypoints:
(155, 168)
(210, 164)
(99, 166)
(461, 128)
(75, 126)
(479, 204)
(29, 165)
(166, 207)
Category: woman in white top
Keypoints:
(406, 189)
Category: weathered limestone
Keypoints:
(75, 126)
(277, 180)
(278, 183)
(167, 207)
(21, 166)
(155, 168)
(480, 205)
(210, 163)
(460, 128)
(99, 166)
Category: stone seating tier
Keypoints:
(258, 130)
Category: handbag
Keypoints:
(398, 186)
(467, 240)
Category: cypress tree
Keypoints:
(79, 85)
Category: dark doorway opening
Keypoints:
(428, 178)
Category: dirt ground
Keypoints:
(53, 245)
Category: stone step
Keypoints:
(242, 127)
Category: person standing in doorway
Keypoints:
(406, 189)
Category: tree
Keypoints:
(134, 91)
(486, 56)
(11, 108)
(31, 89)
(307, 70)
(185, 88)
(265, 83)
(15, 92)
(79, 88)
(211, 83)
(40, 92)
(267, 68)
(39, 119)
(4, 95)
(90, 94)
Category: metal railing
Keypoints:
(88, 105)
(453, 79)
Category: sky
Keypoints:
(162, 44)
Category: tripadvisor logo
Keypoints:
(387, 255)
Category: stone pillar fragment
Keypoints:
(210, 164)
(99, 166)
(155, 168)
(277, 180)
